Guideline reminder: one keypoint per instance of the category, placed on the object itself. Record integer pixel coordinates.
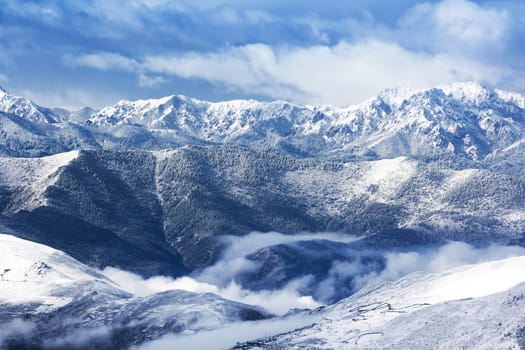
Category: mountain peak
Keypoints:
(467, 91)
(396, 96)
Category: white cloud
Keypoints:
(275, 301)
(241, 246)
(79, 338)
(469, 22)
(139, 286)
(432, 44)
(230, 335)
(458, 26)
(450, 255)
(241, 66)
(150, 80)
(362, 268)
(305, 291)
(341, 74)
(220, 278)
(435, 43)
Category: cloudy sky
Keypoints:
(95, 52)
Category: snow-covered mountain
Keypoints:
(471, 307)
(50, 300)
(26, 109)
(464, 119)
(27, 129)
(161, 186)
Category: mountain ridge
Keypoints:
(465, 119)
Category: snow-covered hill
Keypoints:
(50, 300)
(165, 212)
(471, 307)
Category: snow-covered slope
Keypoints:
(32, 176)
(35, 273)
(69, 305)
(474, 306)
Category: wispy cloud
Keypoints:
(103, 61)
(3, 78)
(71, 99)
(150, 80)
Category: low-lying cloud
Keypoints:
(342, 278)
(80, 338)
(14, 331)
(399, 264)
(222, 277)
(227, 337)
(141, 287)
(303, 288)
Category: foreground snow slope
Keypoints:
(35, 273)
(474, 306)
(61, 301)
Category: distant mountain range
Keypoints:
(464, 119)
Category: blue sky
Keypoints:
(96, 52)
